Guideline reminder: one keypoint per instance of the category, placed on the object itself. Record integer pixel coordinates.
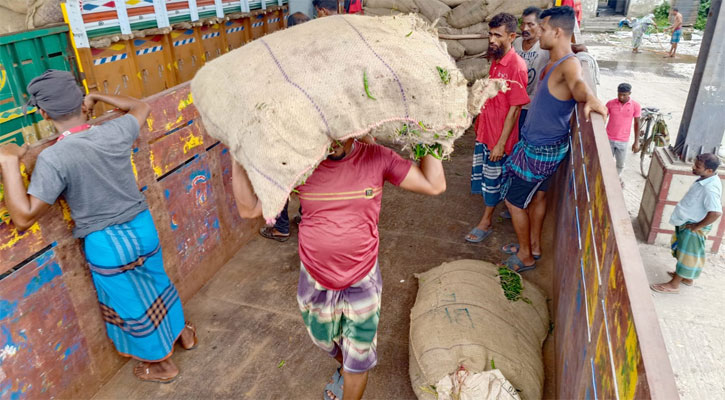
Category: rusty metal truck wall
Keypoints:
(53, 341)
(608, 340)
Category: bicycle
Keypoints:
(654, 134)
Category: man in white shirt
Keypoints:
(527, 46)
(693, 218)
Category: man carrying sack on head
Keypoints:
(91, 167)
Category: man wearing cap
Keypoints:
(140, 305)
(622, 111)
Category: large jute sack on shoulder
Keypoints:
(281, 100)
(432, 9)
(474, 68)
(406, 6)
(461, 318)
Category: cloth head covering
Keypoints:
(56, 92)
(624, 88)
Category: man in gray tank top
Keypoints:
(527, 46)
(544, 138)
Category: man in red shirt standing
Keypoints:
(340, 283)
(622, 111)
(497, 128)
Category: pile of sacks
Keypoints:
(19, 15)
(462, 24)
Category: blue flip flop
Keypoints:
(513, 248)
(335, 387)
(514, 262)
(479, 235)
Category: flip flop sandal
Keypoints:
(267, 232)
(658, 290)
(513, 248)
(335, 387)
(514, 262)
(478, 234)
(196, 340)
(167, 380)
(673, 274)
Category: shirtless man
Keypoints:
(676, 30)
(544, 141)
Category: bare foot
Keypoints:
(664, 288)
(162, 372)
(188, 338)
(687, 282)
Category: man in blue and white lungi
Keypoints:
(91, 167)
(693, 218)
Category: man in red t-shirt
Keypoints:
(497, 127)
(340, 283)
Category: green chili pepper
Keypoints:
(367, 87)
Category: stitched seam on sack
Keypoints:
(287, 78)
(400, 84)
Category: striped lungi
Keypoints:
(688, 247)
(140, 305)
(533, 163)
(486, 175)
(343, 319)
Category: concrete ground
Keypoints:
(253, 343)
(692, 322)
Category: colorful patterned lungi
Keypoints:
(140, 305)
(486, 175)
(347, 318)
(533, 163)
(688, 248)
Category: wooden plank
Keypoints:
(43, 349)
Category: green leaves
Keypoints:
(445, 75)
(511, 285)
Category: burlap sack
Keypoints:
(469, 13)
(18, 6)
(462, 318)
(432, 9)
(11, 21)
(380, 12)
(453, 3)
(281, 100)
(474, 46)
(515, 7)
(406, 6)
(43, 12)
(480, 28)
(474, 68)
(454, 48)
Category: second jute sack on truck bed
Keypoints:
(280, 101)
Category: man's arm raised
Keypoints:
(580, 91)
(428, 178)
(248, 203)
(24, 209)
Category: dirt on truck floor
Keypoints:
(253, 343)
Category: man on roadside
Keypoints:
(544, 141)
(693, 218)
(91, 167)
(340, 282)
(497, 129)
(622, 111)
(676, 30)
(527, 46)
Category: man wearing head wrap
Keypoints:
(622, 111)
(639, 28)
(91, 167)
